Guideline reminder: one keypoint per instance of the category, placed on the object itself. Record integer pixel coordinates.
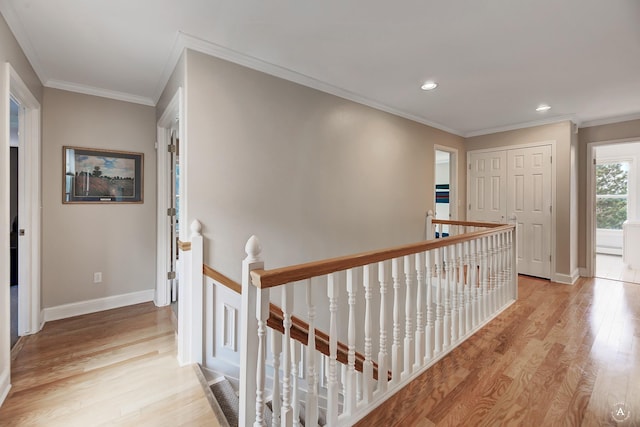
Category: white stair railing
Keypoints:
(443, 291)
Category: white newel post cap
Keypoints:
(196, 228)
(253, 248)
(429, 212)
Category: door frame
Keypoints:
(554, 275)
(30, 319)
(173, 112)
(590, 232)
(453, 178)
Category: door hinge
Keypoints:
(469, 166)
(594, 161)
(469, 206)
(550, 159)
(550, 209)
(171, 212)
(549, 258)
(171, 275)
(171, 148)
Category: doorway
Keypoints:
(13, 216)
(445, 192)
(616, 204)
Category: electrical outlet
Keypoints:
(97, 277)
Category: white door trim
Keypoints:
(554, 275)
(30, 318)
(453, 177)
(590, 232)
(174, 110)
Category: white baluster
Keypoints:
(429, 235)
(350, 380)
(252, 354)
(295, 373)
(467, 287)
(446, 326)
(439, 314)
(262, 314)
(276, 349)
(453, 272)
(287, 307)
(367, 367)
(428, 342)
(475, 309)
(395, 347)
(409, 351)
(382, 353)
(311, 407)
(419, 356)
(484, 272)
(461, 278)
(332, 386)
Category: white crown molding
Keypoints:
(610, 120)
(186, 41)
(104, 93)
(15, 24)
(551, 120)
(99, 304)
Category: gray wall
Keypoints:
(561, 133)
(311, 174)
(78, 240)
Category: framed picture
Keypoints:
(92, 175)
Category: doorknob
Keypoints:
(21, 232)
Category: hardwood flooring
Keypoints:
(117, 368)
(561, 355)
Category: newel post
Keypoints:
(253, 303)
(429, 226)
(191, 300)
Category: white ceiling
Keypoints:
(495, 60)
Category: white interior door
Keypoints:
(529, 197)
(487, 186)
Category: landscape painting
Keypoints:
(102, 176)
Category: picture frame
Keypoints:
(92, 175)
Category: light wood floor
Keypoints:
(117, 367)
(562, 355)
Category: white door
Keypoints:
(529, 197)
(487, 187)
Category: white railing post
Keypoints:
(311, 406)
(191, 301)
(467, 286)
(409, 351)
(428, 342)
(395, 346)
(367, 367)
(429, 235)
(295, 372)
(453, 260)
(350, 380)
(419, 340)
(446, 341)
(252, 351)
(461, 302)
(382, 353)
(332, 386)
(439, 316)
(513, 259)
(276, 349)
(287, 307)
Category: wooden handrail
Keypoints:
(466, 223)
(264, 279)
(299, 328)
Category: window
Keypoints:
(612, 194)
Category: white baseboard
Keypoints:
(94, 305)
(5, 385)
(566, 279)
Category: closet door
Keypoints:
(529, 197)
(487, 187)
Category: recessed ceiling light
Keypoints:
(543, 107)
(429, 85)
